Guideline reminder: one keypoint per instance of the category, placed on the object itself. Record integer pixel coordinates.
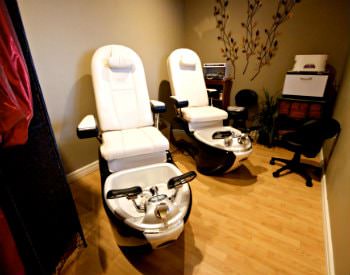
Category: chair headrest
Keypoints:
(120, 62)
(188, 61)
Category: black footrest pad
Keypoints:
(182, 179)
(126, 192)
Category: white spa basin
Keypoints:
(154, 229)
(241, 150)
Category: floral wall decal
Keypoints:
(230, 49)
(253, 44)
(251, 39)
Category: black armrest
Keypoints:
(221, 134)
(182, 179)
(158, 106)
(179, 103)
(130, 193)
(87, 128)
(213, 92)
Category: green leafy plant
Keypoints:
(265, 119)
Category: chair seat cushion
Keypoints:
(204, 113)
(132, 142)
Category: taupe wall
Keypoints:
(317, 27)
(338, 181)
(63, 36)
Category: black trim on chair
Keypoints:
(213, 161)
(87, 133)
(179, 103)
(209, 160)
(157, 109)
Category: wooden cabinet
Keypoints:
(292, 112)
(305, 96)
(301, 108)
(222, 100)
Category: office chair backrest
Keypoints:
(120, 88)
(332, 128)
(186, 77)
(312, 134)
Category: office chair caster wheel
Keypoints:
(309, 183)
(272, 161)
(275, 174)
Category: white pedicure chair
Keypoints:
(146, 197)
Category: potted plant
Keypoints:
(265, 119)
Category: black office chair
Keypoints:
(306, 140)
(244, 99)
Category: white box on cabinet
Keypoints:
(313, 85)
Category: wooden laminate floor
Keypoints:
(245, 222)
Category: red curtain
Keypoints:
(16, 107)
(10, 262)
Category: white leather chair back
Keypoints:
(186, 77)
(120, 88)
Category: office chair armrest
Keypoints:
(179, 103)
(87, 127)
(157, 106)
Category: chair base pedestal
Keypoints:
(294, 165)
(238, 119)
(210, 160)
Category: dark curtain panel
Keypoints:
(16, 109)
(10, 262)
(34, 193)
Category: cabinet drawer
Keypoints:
(315, 110)
(305, 85)
(300, 109)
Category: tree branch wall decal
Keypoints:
(251, 38)
(252, 43)
(230, 49)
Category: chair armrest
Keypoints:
(157, 106)
(212, 92)
(179, 103)
(87, 127)
(235, 109)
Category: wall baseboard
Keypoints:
(87, 169)
(327, 226)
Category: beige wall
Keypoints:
(338, 181)
(63, 36)
(317, 27)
